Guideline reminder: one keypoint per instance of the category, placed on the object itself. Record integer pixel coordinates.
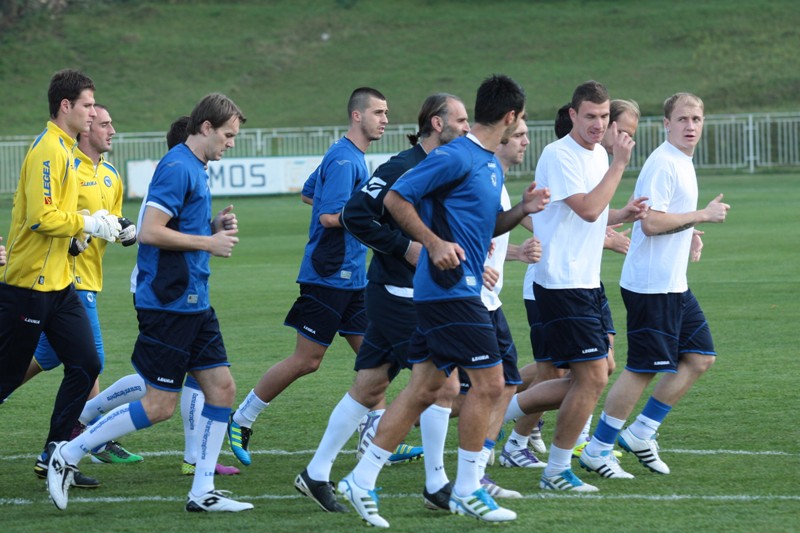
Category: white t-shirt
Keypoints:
(491, 299)
(657, 264)
(571, 247)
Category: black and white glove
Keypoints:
(102, 225)
(128, 234)
(78, 246)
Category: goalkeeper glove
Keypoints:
(78, 246)
(128, 234)
(102, 225)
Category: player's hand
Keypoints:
(79, 245)
(103, 225)
(617, 241)
(446, 255)
(225, 220)
(490, 277)
(530, 251)
(697, 246)
(716, 211)
(222, 242)
(128, 234)
(622, 147)
(412, 254)
(535, 199)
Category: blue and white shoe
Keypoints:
(605, 464)
(481, 506)
(646, 450)
(239, 439)
(364, 501)
(566, 480)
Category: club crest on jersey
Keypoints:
(494, 179)
(107, 181)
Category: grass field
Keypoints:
(732, 444)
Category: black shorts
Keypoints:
(661, 327)
(320, 312)
(454, 333)
(605, 309)
(573, 324)
(507, 351)
(537, 331)
(391, 322)
(171, 344)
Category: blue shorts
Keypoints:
(171, 344)
(507, 351)
(391, 322)
(574, 326)
(537, 331)
(606, 310)
(454, 333)
(661, 327)
(320, 312)
(45, 356)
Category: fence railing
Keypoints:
(748, 142)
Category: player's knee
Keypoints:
(702, 363)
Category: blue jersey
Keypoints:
(170, 280)
(456, 190)
(334, 258)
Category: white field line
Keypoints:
(168, 453)
(744, 498)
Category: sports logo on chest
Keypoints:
(107, 181)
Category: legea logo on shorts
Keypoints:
(310, 330)
(661, 363)
(589, 350)
(165, 380)
(477, 358)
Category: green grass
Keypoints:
(732, 443)
(152, 61)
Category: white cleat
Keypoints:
(364, 501)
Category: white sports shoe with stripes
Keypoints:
(646, 450)
(605, 464)
(566, 480)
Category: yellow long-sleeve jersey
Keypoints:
(44, 215)
(99, 187)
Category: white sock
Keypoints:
(644, 427)
(468, 478)
(211, 430)
(558, 460)
(366, 472)
(516, 441)
(112, 426)
(192, 401)
(433, 424)
(342, 423)
(585, 432)
(125, 390)
(483, 461)
(513, 410)
(249, 410)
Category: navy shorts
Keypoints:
(391, 322)
(171, 344)
(574, 326)
(537, 331)
(320, 312)
(661, 327)
(606, 311)
(507, 351)
(454, 333)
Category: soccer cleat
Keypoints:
(496, 491)
(187, 469)
(319, 491)
(405, 453)
(113, 452)
(577, 450)
(480, 505)
(646, 450)
(364, 501)
(239, 439)
(535, 442)
(523, 458)
(566, 480)
(604, 464)
(215, 501)
(366, 432)
(79, 479)
(439, 500)
(59, 475)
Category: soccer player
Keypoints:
(516, 453)
(457, 191)
(390, 312)
(100, 188)
(667, 330)
(567, 279)
(332, 274)
(178, 328)
(37, 294)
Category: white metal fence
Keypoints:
(747, 142)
